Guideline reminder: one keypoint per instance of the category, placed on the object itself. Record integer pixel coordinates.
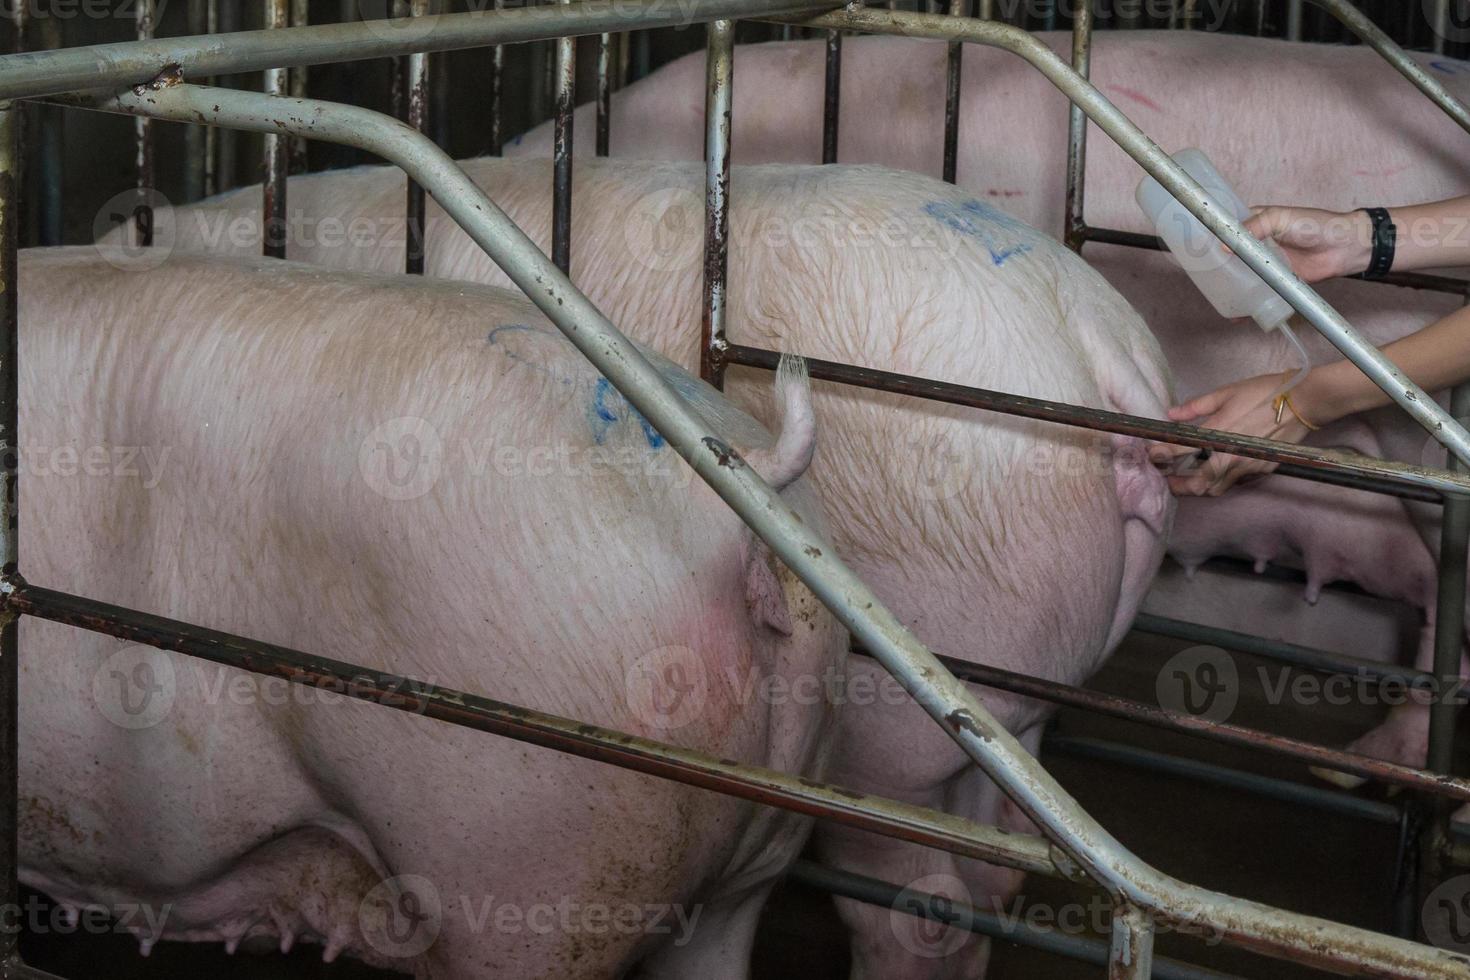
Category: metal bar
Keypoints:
(1439, 25)
(561, 153)
(9, 533)
(1316, 311)
(497, 88)
(718, 105)
(1076, 224)
(1017, 930)
(604, 92)
(1322, 465)
(1308, 753)
(1293, 20)
(275, 167)
(196, 136)
(38, 73)
(1370, 34)
(1295, 794)
(878, 815)
(296, 151)
(50, 153)
(953, 67)
(1132, 954)
(15, 969)
(832, 96)
(1309, 658)
(211, 134)
(1286, 935)
(418, 118)
(143, 140)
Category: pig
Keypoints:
(421, 477)
(1306, 124)
(995, 539)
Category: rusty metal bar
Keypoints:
(953, 64)
(832, 96)
(1285, 935)
(212, 135)
(604, 92)
(878, 815)
(275, 167)
(1112, 705)
(1076, 225)
(1322, 465)
(417, 84)
(561, 153)
(497, 89)
(718, 105)
(9, 532)
(296, 150)
(196, 137)
(143, 141)
(1132, 953)
(958, 915)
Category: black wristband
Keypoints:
(1385, 239)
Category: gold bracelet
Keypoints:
(1283, 401)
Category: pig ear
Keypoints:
(764, 595)
(1143, 494)
(782, 464)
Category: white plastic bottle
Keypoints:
(1232, 288)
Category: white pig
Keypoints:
(420, 477)
(1309, 124)
(1015, 543)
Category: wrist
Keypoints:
(1317, 400)
(1357, 252)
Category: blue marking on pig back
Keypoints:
(608, 407)
(1450, 67)
(494, 336)
(978, 220)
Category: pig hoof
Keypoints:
(1342, 780)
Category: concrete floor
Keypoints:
(1306, 861)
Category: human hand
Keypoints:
(1244, 407)
(1319, 244)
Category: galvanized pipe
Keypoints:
(418, 117)
(196, 136)
(1370, 34)
(561, 152)
(110, 66)
(143, 143)
(1132, 954)
(718, 106)
(9, 532)
(831, 96)
(1286, 935)
(875, 814)
(275, 167)
(296, 151)
(958, 915)
(497, 87)
(1158, 164)
(1322, 465)
(1293, 20)
(212, 134)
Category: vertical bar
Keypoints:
(9, 535)
(1181, 15)
(1449, 639)
(952, 99)
(604, 93)
(1131, 956)
(1293, 20)
(718, 103)
(296, 153)
(1076, 228)
(50, 158)
(143, 133)
(986, 10)
(1260, 19)
(497, 75)
(398, 66)
(196, 136)
(561, 153)
(211, 133)
(1440, 25)
(418, 106)
(273, 216)
(832, 97)
(229, 140)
